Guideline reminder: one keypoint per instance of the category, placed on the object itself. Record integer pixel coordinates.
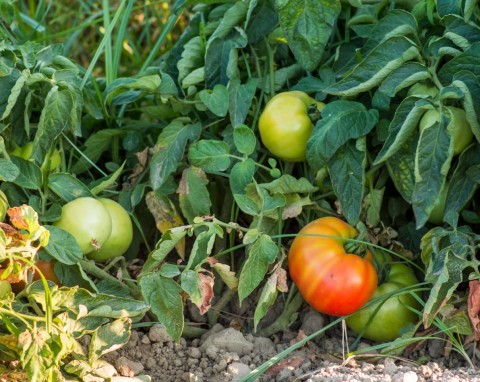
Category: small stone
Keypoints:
(263, 345)
(158, 333)
(237, 370)
(127, 367)
(436, 348)
(313, 322)
(426, 371)
(390, 367)
(410, 376)
(194, 353)
(230, 340)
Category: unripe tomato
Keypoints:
(88, 221)
(459, 127)
(386, 319)
(285, 126)
(331, 280)
(121, 236)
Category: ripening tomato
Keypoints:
(331, 280)
(47, 269)
(121, 235)
(89, 222)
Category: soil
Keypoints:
(227, 354)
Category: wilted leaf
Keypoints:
(193, 193)
(226, 274)
(473, 306)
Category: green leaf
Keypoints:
(402, 127)
(401, 167)
(375, 67)
(164, 296)
(7, 82)
(203, 246)
(260, 255)
(216, 100)
(244, 139)
(460, 62)
(67, 187)
(347, 173)
(109, 182)
(406, 75)
(15, 92)
(432, 163)
(341, 121)
(7, 11)
(461, 187)
(169, 150)
(241, 175)
(288, 184)
(169, 270)
(193, 193)
(29, 175)
(247, 204)
(210, 155)
(468, 83)
(307, 26)
(54, 119)
(446, 255)
(373, 203)
(165, 245)
(63, 246)
(128, 89)
(8, 170)
(461, 32)
(192, 58)
(240, 99)
(266, 300)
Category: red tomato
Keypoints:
(331, 280)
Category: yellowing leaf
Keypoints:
(166, 217)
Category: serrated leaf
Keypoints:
(240, 99)
(191, 58)
(463, 33)
(210, 155)
(468, 83)
(169, 150)
(29, 175)
(347, 173)
(432, 163)
(193, 193)
(226, 274)
(63, 246)
(164, 296)
(341, 121)
(260, 255)
(406, 75)
(247, 204)
(461, 62)
(307, 26)
(288, 184)
(378, 64)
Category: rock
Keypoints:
(313, 322)
(230, 340)
(436, 348)
(158, 333)
(263, 345)
(238, 370)
(410, 376)
(127, 367)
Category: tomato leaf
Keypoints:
(341, 121)
(63, 246)
(199, 287)
(226, 274)
(447, 254)
(192, 57)
(67, 186)
(470, 86)
(406, 75)
(193, 194)
(240, 98)
(460, 31)
(210, 155)
(203, 246)
(266, 300)
(244, 139)
(432, 163)
(241, 175)
(385, 58)
(109, 337)
(307, 26)
(164, 297)
(169, 150)
(216, 100)
(462, 185)
(260, 255)
(29, 175)
(347, 173)
(461, 62)
(8, 170)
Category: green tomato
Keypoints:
(5, 288)
(285, 125)
(459, 127)
(88, 221)
(423, 89)
(392, 315)
(121, 236)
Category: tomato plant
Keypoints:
(384, 320)
(5, 288)
(423, 89)
(121, 235)
(50, 164)
(331, 280)
(285, 125)
(47, 269)
(88, 220)
(459, 127)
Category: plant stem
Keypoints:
(214, 312)
(90, 268)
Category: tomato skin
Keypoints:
(121, 235)
(329, 279)
(88, 221)
(47, 269)
(459, 127)
(285, 126)
(394, 313)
